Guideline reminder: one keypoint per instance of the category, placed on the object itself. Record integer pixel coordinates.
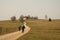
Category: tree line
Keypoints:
(13, 18)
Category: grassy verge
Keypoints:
(8, 27)
(42, 30)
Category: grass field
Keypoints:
(8, 26)
(42, 30)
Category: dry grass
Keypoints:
(8, 26)
(40, 29)
(43, 30)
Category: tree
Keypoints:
(28, 17)
(46, 16)
(36, 17)
(21, 18)
(13, 18)
(32, 17)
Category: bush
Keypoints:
(13, 18)
(49, 19)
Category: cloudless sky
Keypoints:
(39, 8)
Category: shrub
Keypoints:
(13, 18)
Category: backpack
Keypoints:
(23, 27)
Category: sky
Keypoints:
(40, 8)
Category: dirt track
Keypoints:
(14, 35)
